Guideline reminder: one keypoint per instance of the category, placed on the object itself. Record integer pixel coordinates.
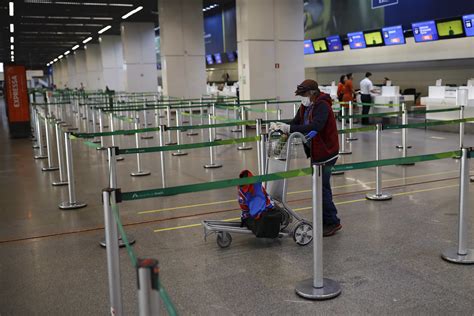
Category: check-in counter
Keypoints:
(388, 95)
(443, 97)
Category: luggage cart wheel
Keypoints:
(224, 239)
(303, 233)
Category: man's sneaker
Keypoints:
(329, 230)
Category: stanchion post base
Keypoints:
(146, 136)
(378, 197)
(59, 183)
(101, 148)
(192, 133)
(472, 179)
(179, 153)
(237, 130)
(40, 157)
(330, 289)
(351, 139)
(36, 146)
(71, 206)
(401, 146)
(119, 158)
(244, 147)
(131, 241)
(406, 164)
(457, 157)
(96, 141)
(49, 168)
(171, 143)
(140, 173)
(451, 255)
(212, 166)
(337, 173)
(345, 152)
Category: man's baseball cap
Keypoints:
(306, 86)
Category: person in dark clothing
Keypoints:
(315, 114)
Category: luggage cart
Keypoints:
(278, 157)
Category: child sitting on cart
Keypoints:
(259, 213)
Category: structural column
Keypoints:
(81, 70)
(71, 70)
(139, 56)
(182, 48)
(112, 62)
(95, 80)
(270, 37)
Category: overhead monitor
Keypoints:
(308, 47)
(231, 57)
(373, 38)
(356, 40)
(468, 21)
(209, 60)
(218, 58)
(425, 31)
(320, 46)
(334, 43)
(450, 28)
(393, 35)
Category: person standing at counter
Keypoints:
(366, 88)
(348, 89)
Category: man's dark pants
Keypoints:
(365, 98)
(329, 209)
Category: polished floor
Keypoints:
(387, 257)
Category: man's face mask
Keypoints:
(305, 101)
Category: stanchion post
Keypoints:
(148, 287)
(101, 129)
(258, 132)
(462, 254)
(211, 163)
(178, 135)
(265, 106)
(112, 248)
(295, 109)
(162, 156)
(351, 121)
(244, 146)
(145, 118)
(72, 203)
(343, 150)
(112, 129)
(461, 127)
(318, 287)
(49, 148)
(139, 172)
(378, 196)
(94, 125)
(237, 128)
(404, 130)
(41, 154)
(60, 149)
(168, 123)
(191, 132)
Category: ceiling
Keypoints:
(45, 29)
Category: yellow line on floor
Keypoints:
(309, 207)
(289, 193)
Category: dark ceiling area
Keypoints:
(45, 29)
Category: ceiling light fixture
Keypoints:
(108, 27)
(12, 39)
(87, 40)
(75, 47)
(11, 8)
(55, 59)
(12, 47)
(67, 52)
(131, 12)
(60, 56)
(12, 28)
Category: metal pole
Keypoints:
(201, 112)
(59, 147)
(191, 132)
(214, 121)
(101, 129)
(279, 114)
(378, 196)
(236, 129)
(461, 127)
(49, 148)
(72, 203)
(34, 122)
(94, 126)
(148, 287)
(258, 132)
(113, 258)
(162, 157)
(265, 115)
(351, 121)
(317, 287)
(343, 150)
(178, 135)
(244, 146)
(145, 118)
(41, 154)
(211, 163)
(112, 129)
(404, 130)
(168, 123)
(139, 172)
(462, 254)
(295, 109)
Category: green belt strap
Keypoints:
(130, 251)
(357, 129)
(117, 132)
(434, 111)
(370, 115)
(435, 123)
(298, 102)
(373, 104)
(213, 185)
(187, 146)
(187, 127)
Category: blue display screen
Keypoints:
(425, 31)
(308, 47)
(356, 40)
(231, 57)
(393, 35)
(334, 43)
(217, 58)
(209, 59)
(468, 21)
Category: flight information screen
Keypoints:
(334, 43)
(373, 38)
(425, 31)
(356, 40)
(393, 35)
(320, 46)
(468, 21)
(450, 28)
(308, 47)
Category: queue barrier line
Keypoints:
(244, 107)
(374, 104)
(117, 132)
(427, 124)
(370, 115)
(220, 184)
(222, 142)
(187, 127)
(434, 111)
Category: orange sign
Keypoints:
(16, 93)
